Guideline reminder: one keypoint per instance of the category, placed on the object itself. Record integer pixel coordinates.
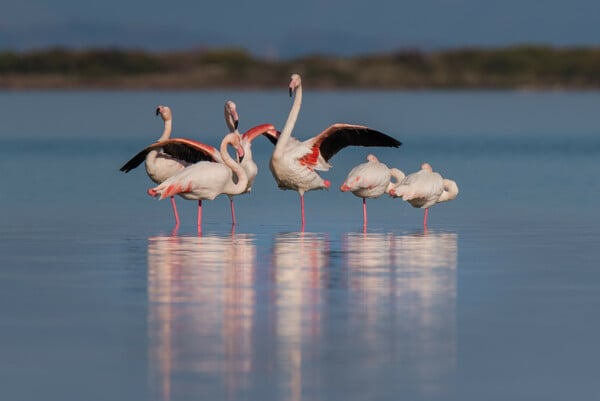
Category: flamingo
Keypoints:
(168, 156)
(424, 189)
(294, 162)
(247, 137)
(370, 180)
(207, 180)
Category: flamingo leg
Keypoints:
(232, 212)
(425, 218)
(302, 209)
(364, 213)
(175, 211)
(199, 215)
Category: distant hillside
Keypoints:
(511, 67)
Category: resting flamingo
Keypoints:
(294, 162)
(207, 180)
(424, 189)
(370, 180)
(168, 156)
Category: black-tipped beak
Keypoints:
(291, 91)
(157, 110)
(235, 124)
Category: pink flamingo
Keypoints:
(247, 162)
(370, 180)
(207, 180)
(168, 156)
(424, 189)
(294, 162)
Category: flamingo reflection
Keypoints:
(407, 282)
(299, 263)
(201, 306)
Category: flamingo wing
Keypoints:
(338, 136)
(267, 130)
(179, 148)
(421, 185)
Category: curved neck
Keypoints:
(166, 131)
(286, 132)
(233, 188)
(450, 191)
(397, 175)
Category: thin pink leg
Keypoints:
(302, 209)
(175, 211)
(425, 218)
(232, 212)
(364, 213)
(199, 215)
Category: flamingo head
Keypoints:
(426, 166)
(236, 142)
(295, 83)
(164, 112)
(372, 158)
(231, 115)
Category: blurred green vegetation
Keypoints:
(509, 67)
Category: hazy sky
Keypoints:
(280, 27)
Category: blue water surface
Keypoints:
(101, 299)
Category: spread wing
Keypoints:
(183, 149)
(338, 136)
(267, 130)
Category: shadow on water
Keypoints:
(228, 319)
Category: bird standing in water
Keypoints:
(294, 163)
(424, 189)
(370, 180)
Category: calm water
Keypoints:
(101, 300)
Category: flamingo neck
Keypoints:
(286, 132)
(166, 131)
(450, 191)
(240, 186)
(397, 175)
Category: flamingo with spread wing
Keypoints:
(207, 179)
(294, 163)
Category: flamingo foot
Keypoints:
(199, 215)
(364, 202)
(175, 211)
(152, 192)
(302, 210)
(233, 221)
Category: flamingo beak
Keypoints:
(241, 154)
(235, 118)
(157, 110)
(291, 91)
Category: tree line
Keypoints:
(498, 68)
